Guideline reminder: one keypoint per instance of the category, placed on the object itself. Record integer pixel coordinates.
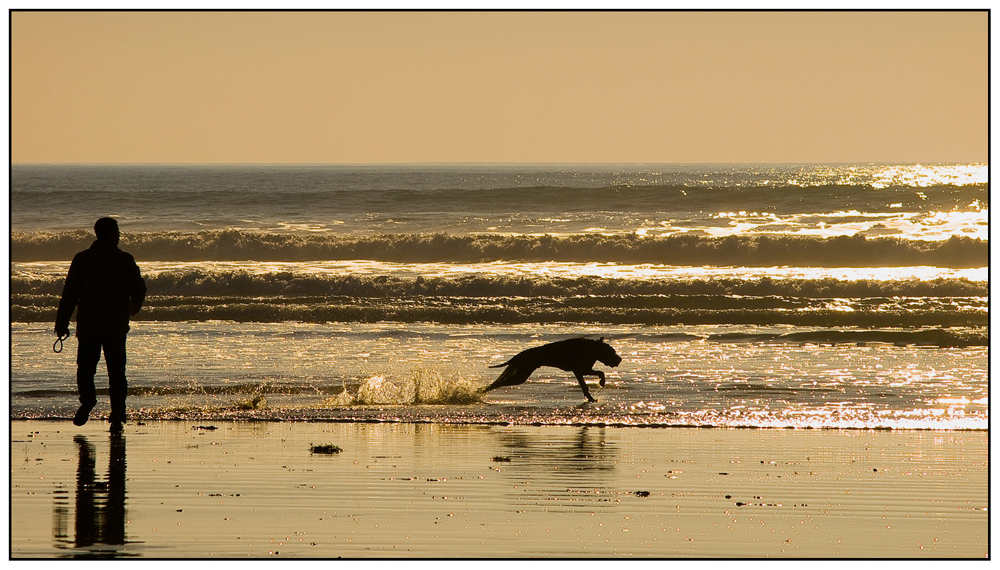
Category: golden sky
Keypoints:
(399, 87)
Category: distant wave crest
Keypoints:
(754, 251)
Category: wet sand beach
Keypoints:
(176, 489)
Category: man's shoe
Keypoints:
(116, 419)
(82, 414)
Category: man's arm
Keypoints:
(69, 300)
(137, 289)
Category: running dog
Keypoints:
(576, 355)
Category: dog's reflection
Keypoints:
(100, 504)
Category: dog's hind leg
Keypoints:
(583, 386)
(512, 376)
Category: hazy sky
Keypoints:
(369, 87)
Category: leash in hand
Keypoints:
(59, 343)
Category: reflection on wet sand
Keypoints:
(559, 474)
(589, 451)
(255, 490)
(99, 520)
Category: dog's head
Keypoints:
(606, 354)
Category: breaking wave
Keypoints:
(645, 310)
(198, 282)
(241, 296)
(745, 250)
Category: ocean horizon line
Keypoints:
(509, 163)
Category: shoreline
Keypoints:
(502, 423)
(255, 489)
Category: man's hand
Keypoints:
(62, 330)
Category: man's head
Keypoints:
(107, 231)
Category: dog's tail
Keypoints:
(501, 365)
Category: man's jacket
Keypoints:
(105, 283)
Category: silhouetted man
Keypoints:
(105, 283)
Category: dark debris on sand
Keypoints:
(325, 449)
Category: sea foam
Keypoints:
(745, 250)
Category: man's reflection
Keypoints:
(100, 505)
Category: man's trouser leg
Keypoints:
(114, 357)
(87, 354)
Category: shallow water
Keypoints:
(721, 376)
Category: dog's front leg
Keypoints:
(583, 386)
(596, 372)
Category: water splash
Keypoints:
(418, 386)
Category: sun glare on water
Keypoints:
(923, 176)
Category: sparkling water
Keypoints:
(801, 296)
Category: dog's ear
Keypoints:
(600, 339)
